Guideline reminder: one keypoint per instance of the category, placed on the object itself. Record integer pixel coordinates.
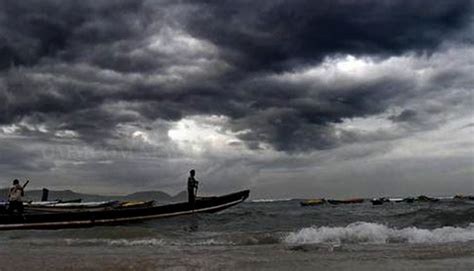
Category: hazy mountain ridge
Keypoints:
(158, 196)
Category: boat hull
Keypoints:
(118, 216)
(346, 201)
(313, 202)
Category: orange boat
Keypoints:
(313, 202)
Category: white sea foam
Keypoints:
(142, 242)
(362, 232)
(117, 242)
(139, 242)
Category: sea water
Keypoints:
(262, 235)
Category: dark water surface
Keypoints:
(278, 235)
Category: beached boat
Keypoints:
(57, 220)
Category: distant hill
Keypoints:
(158, 196)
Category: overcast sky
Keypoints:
(328, 98)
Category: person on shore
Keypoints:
(192, 186)
(15, 195)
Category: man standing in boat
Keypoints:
(192, 186)
(15, 197)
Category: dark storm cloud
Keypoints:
(32, 30)
(267, 35)
(68, 64)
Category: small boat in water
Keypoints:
(69, 207)
(88, 218)
(71, 201)
(463, 197)
(346, 201)
(313, 202)
(50, 202)
(135, 204)
(424, 198)
(379, 201)
(55, 206)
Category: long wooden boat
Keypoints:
(117, 216)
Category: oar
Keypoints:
(24, 185)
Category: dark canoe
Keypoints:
(117, 216)
(345, 201)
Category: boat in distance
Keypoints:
(312, 202)
(346, 201)
(58, 220)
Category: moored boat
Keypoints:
(423, 198)
(379, 201)
(313, 202)
(463, 197)
(71, 201)
(346, 201)
(136, 204)
(57, 220)
(69, 207)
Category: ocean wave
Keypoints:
(373, 233)
(438, 217)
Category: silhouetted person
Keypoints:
(15, 197)
(192, 187)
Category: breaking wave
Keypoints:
(373, 233)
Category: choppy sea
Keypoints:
(262, 235)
